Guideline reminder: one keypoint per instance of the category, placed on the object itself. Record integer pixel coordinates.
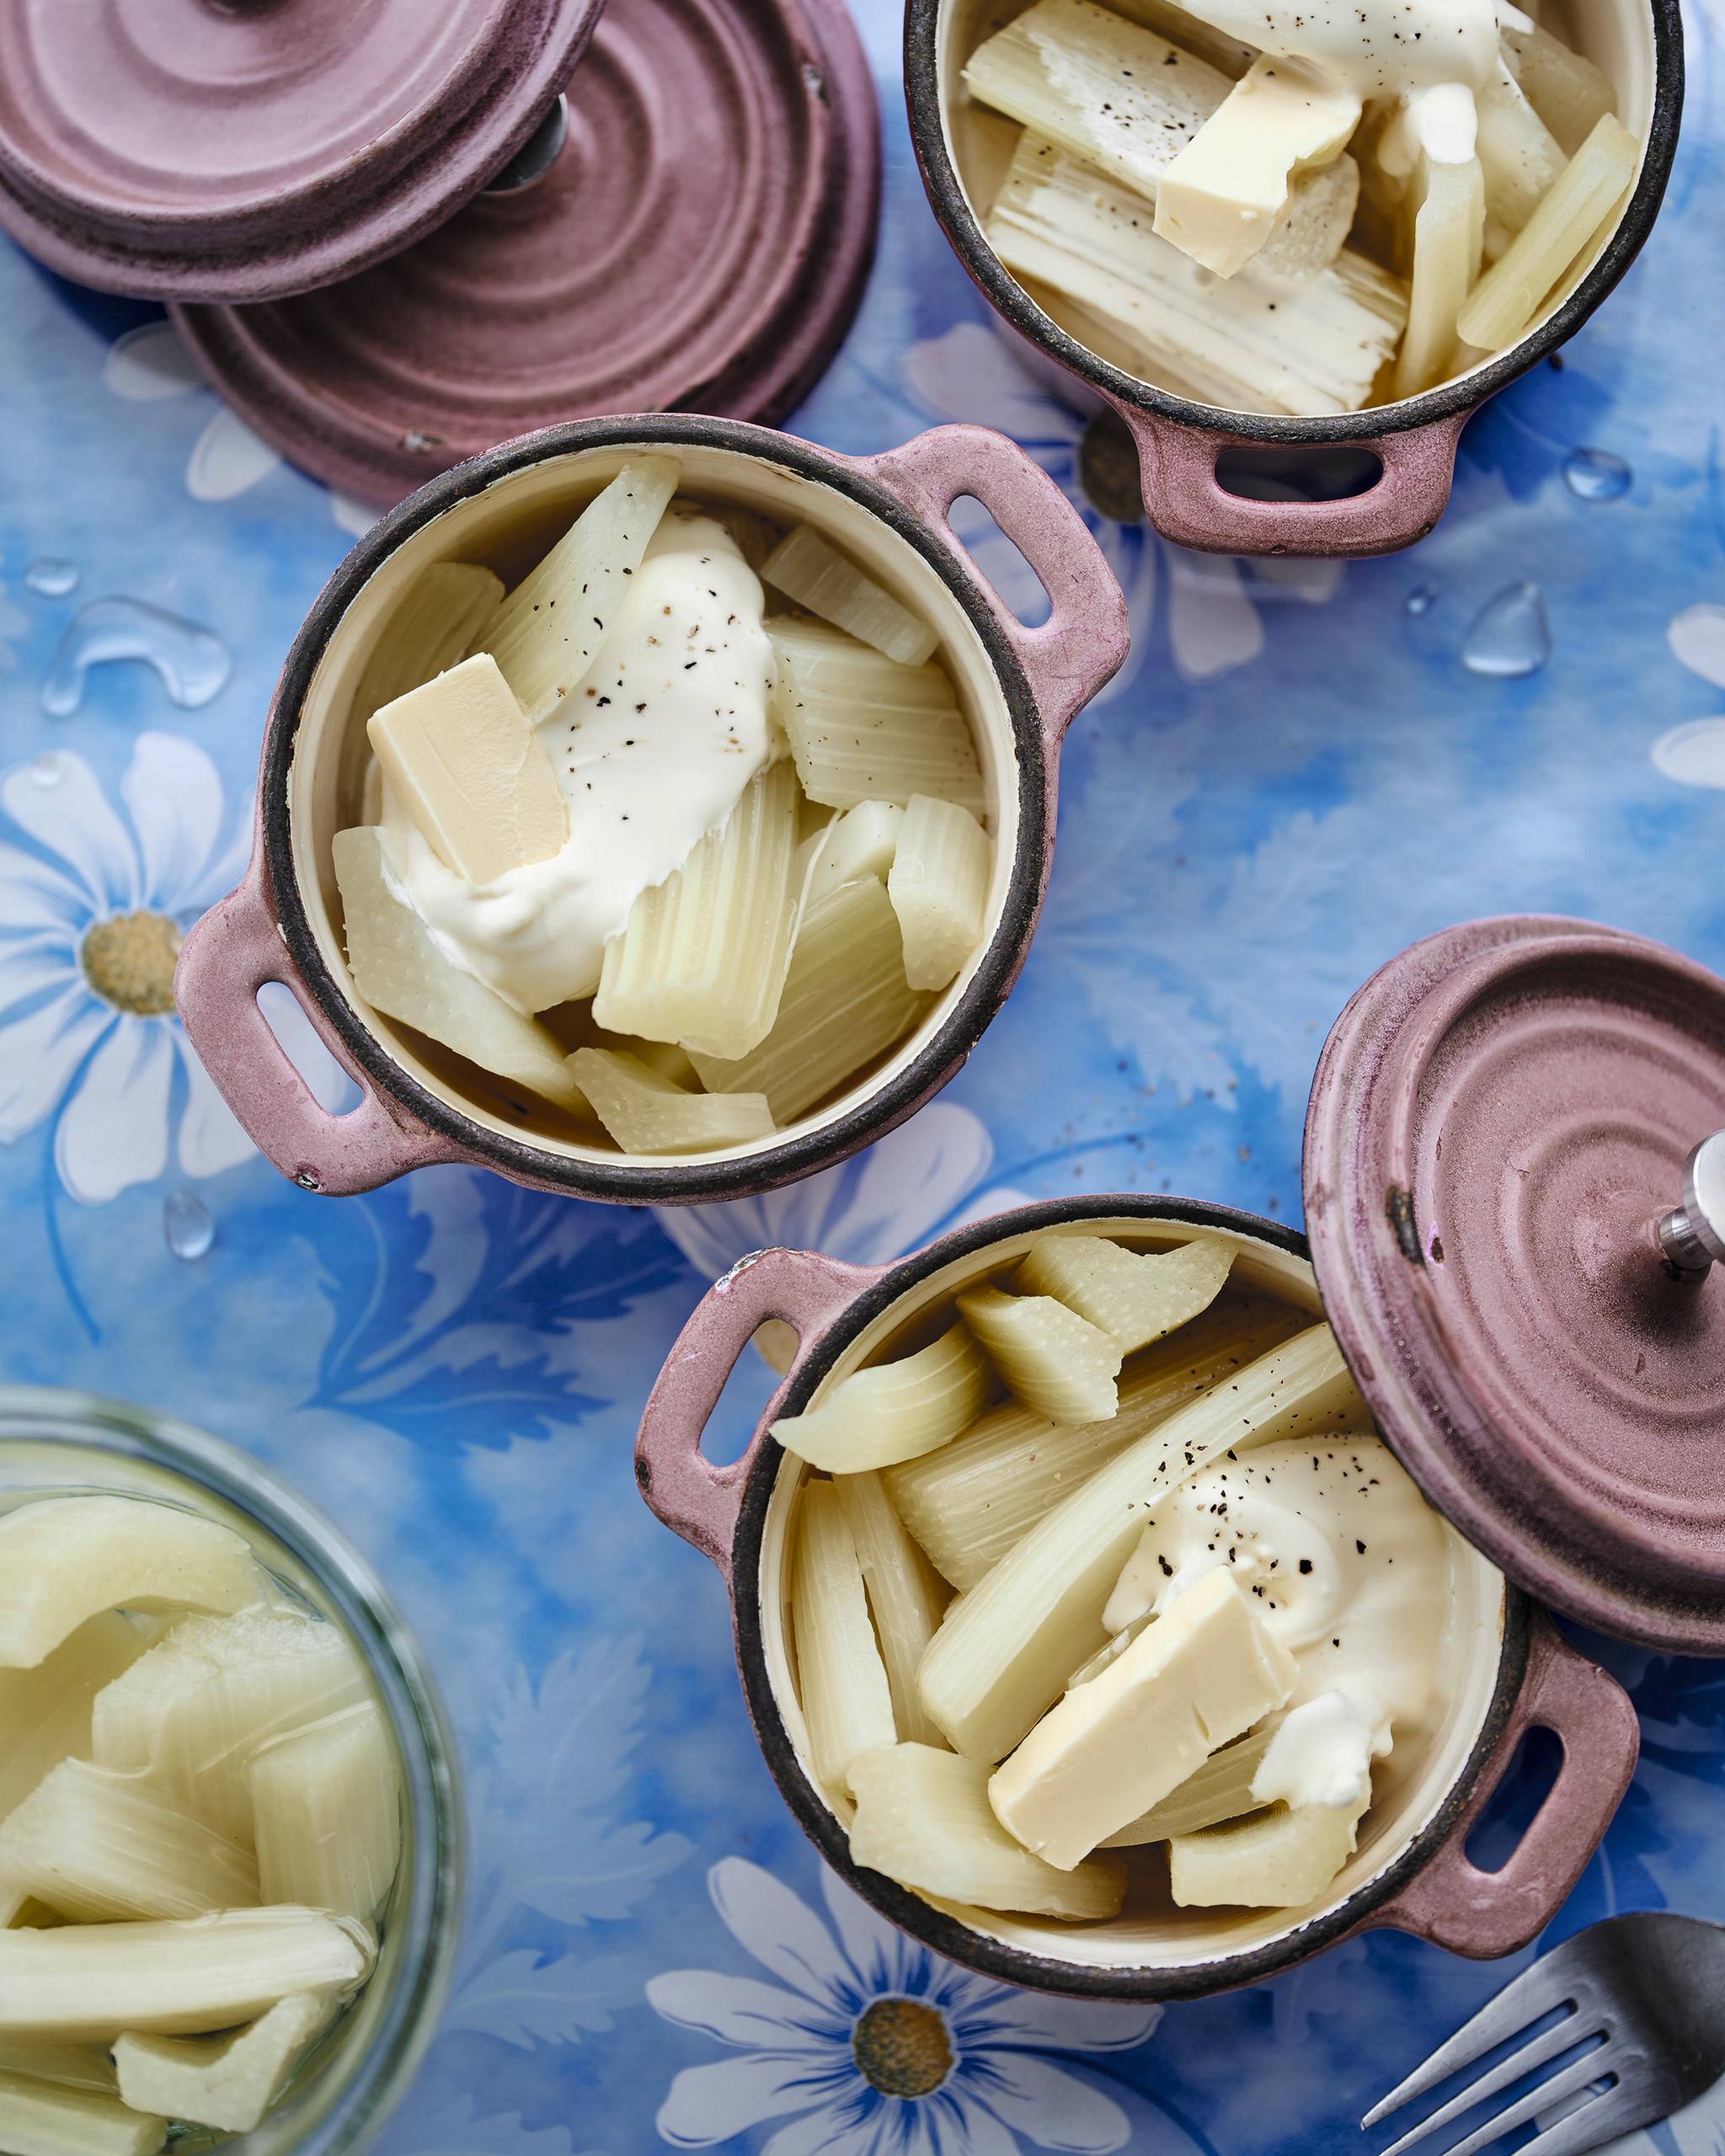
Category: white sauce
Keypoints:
(1375, 48)
(652, 752)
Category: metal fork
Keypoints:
(1645, 1994)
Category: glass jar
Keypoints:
(55, 1442)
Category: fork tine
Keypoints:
(1567, 2081)
(1554, 1980)
(1561, 2037)
(1613, 2112)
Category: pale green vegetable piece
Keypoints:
(1181, 27)
(226, 2082)
(863, 727)
(1056, 1363)
(703, 959)
(923, 1818)
(808, 567)
(191, 1713)
(1449, 232)
(1275, 1859)
(861, 842)
(38, 2118)
(45, 1711)
(841, 1680)
(905, 1596)
(968, 1503)
(846, 1002)
(100, 1846)
(1220, 1789)
(89, 1983)
(892, 1411)
(548, 631)
(64, 1560)
(435, 622)
(1136, 1296)
(938, 885)
(1567, 92)
(71, 2066)
(647, 1113)
(1006, 1648)
(326, 1814)
(1518, 153)
(399, 970)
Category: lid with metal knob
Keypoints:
(1515, 1192)
(237, 150)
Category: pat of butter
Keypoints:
(472, 772)
(1219, 199)
(1196, 1679)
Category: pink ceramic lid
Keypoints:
(701, 241)
(1500, 1123)
(239, 149)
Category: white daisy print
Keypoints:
(869, 2045)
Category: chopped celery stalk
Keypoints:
(226, 2082)
(1220, 1789)
(841, 1681)
(923, 1818)
(1504, 303)
(939, 886)
(326, 1813)
(1219, 199)
(399, 970)
(1518, 153)
(70, 2066)
(1215, 48)
(863, 727)
(1199, 1677)
(1449, 232)
(45, 1711)
(13, 1902)
(192, 1712)
(647, 1113)
(1567, 92)
(1056, 1363)
(1245, 342)
(1005, 1649)
(64, 1560)
(703, 959)
(905, 1596)
(436, 620)
(88, 1982)
(968, 1503)
(862, 843)
(1274, 1859)
(811, 570)
(99, 1846)
(1136, 1296)
(548, 631)
(38, 2119)
(846, 1002)
(892, 1411)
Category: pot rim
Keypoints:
(680, 1183)
(945, 1934)
(1449, 400)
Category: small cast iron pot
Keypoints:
(1639, 46)
(1513, 1671)
(1020, 687)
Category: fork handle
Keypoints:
(1455, 1904)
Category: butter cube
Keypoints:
(471, 771)
(1196, 1679)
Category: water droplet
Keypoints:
(187, 1224)
(1421, 600)
(1510, 636)
(1596, 475)
(47, 770)
(50, 579)
(192, 662)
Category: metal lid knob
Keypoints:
(1692, 1234)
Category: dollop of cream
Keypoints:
(1322, 1752)
(652, 752)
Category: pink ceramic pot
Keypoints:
(1020, 688)
(1639, 46)
(1513, 1671)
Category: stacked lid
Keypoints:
(391, 247)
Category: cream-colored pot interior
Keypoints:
(1409, 1787)
(508, 528)
(1617, 36)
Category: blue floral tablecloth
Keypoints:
(1303, 767)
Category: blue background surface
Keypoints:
(1296, 775)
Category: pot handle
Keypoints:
(1484, 1913)
(680, 1485)
(1187, 502)
(1079, 648)
(227, 957)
